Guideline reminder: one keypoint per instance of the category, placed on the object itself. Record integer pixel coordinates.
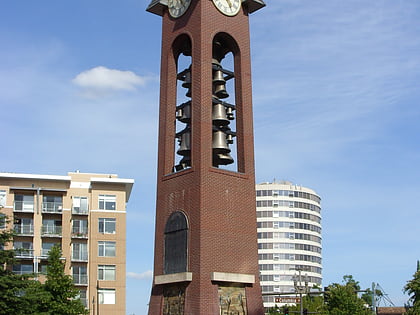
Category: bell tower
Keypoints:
(206, 259)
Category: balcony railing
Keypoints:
(80, 211)
(52, 207)
(23, 206)
(80, 256)
(24, 229)
(79, 232)
(51, 230)
(80, 279)
(24, 253)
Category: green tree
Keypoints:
(413, 289)
(343, 298)
(19, 294)
(64, 295)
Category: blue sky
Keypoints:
(336, 92)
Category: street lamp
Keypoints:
(301, 287)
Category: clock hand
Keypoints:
(229, 3)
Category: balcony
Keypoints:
(24, 229)
(80, 211)
(80, 279)
(80, 256)
(51, 230)
(79, 232)
(23, 206)
(52, 207)
(23, 253)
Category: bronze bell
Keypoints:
(186, 113)
(229, 113)
(219, 82)
(222, 159)
(187, 81)
(219, 142)
(219, 115)
(185, 161)
(185, 142)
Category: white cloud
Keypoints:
(140, 276)
(100, 81)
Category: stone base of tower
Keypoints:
(221, 294)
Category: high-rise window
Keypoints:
(107, 202)
(2, 198)
(107, 225)
(106, 272)
(24, 203)
(52, 204)
(80, 205)
(106, 249)
(80, 251)
(80, 275)
(106, 296)
(80, 228)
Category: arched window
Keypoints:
(176, 242)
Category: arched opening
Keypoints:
(176, 243)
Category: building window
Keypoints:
(24, 203)
(107, 202)
(106, 249)
(2, 198)
(24, 226)
(106, 296)
(80, 252)
(52, 204)
(83, 297)
(46, 248)
(23, 269)
(107, 225)
(51, 227)
(23, 249)
(176, 235)
(2, 221)
(80, 228)
(80, 275)
(106, 272)
(80, 205)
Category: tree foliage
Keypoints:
(23, 295)
(64, 295)
(413, 289)
(343, 298)
(19, 294)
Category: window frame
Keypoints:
(111, 295)
(105, 246)
(107, 202)
(104, 223)
(107, 272)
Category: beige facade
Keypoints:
(86, 215)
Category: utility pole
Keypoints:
(301, 287)
(373, 298)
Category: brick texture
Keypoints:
(219, 204)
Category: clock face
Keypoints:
(178, 7)
(228, 7)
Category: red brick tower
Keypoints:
(206, 259)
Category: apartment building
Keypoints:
(289, 241)
(86, 215)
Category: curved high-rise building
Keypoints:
(289, 240)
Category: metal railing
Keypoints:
(80, 211)
(80, 278)
(24, 253)
(23, 206)
(24, 229)
(80, 256)
(52, 207)
(51, 230)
